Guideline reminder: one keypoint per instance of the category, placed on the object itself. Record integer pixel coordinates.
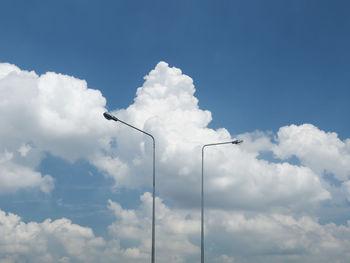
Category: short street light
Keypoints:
(111, 117)
(202, 194)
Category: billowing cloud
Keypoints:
(235, 176)
(16, 176)
(230, 237)
(49, 241)
(321, 151)
(173, 231)
(51, 113)
(261, 196)
(58, 114)
(277, 238)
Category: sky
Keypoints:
(75, 187)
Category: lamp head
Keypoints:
(237, 141)
(108, 116)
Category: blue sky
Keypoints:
(288, 59)
(257, 66)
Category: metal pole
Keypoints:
(202, 209)
(111, 117)
(154, 203)
(202, 192)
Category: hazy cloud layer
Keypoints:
(230, 237)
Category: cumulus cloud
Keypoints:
(166, 107)
(62, 241)
(58, 114)
(49, 241)
(15, 176)
(51, 113)
(259, 209)
(174, 229)
(230, 237)
(321, 151)
(277, 238)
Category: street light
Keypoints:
(202, 194)
(111, 117)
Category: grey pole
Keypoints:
(202, 192)
(111, 117)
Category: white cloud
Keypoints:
(254, 205)
(276, 238)
(49, 241)
(166, 107)
(24, 150)
(173, 230)
(321, 151)
(58, 114)
(63, 241)
(15, 176)
(51, 113)
(229, 237)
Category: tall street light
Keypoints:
(111, 117)
(202, 194)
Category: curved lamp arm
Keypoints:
(108, 116)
